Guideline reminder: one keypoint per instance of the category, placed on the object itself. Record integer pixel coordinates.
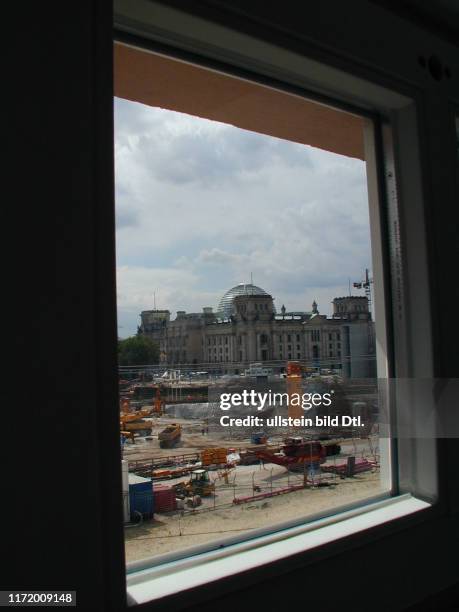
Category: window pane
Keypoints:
(242, 244)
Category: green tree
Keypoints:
(137, 350)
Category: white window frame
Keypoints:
(415, 486)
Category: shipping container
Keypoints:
(164, 498)
(140, 497)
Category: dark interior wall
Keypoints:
(61, 497)
(59, 246)
(441, 17)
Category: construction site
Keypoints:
(187, 480)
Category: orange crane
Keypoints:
(294, 388)
(158, 402)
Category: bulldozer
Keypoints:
(199, 484)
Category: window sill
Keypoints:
(169, 578)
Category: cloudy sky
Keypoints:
(202, 205)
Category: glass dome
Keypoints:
(225, 306)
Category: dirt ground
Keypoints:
(169, 533)
(219, 518)
(192, 440)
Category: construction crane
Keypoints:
(365, 284)
(158, 402)
(295, 371)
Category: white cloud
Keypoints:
(202, 205)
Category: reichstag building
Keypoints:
(245, 329)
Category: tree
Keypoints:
(137, 350)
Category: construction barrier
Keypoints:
(211, 456)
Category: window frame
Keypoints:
(396, 139)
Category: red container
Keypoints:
(164, 498)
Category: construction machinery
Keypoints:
(170, 436)
(136, 425)
(199, 484)
(295, 452)
(132, 422)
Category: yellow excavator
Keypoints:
(132, 422)
(199, 484)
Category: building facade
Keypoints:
(246, 328)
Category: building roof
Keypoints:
(351, 297)
(225, 306)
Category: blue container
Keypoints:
(258, 438)
(140, 497)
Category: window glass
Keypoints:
(231, 224)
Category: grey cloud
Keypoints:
(126, 217)
(206, 204)
(218, 257)
(210, 156)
